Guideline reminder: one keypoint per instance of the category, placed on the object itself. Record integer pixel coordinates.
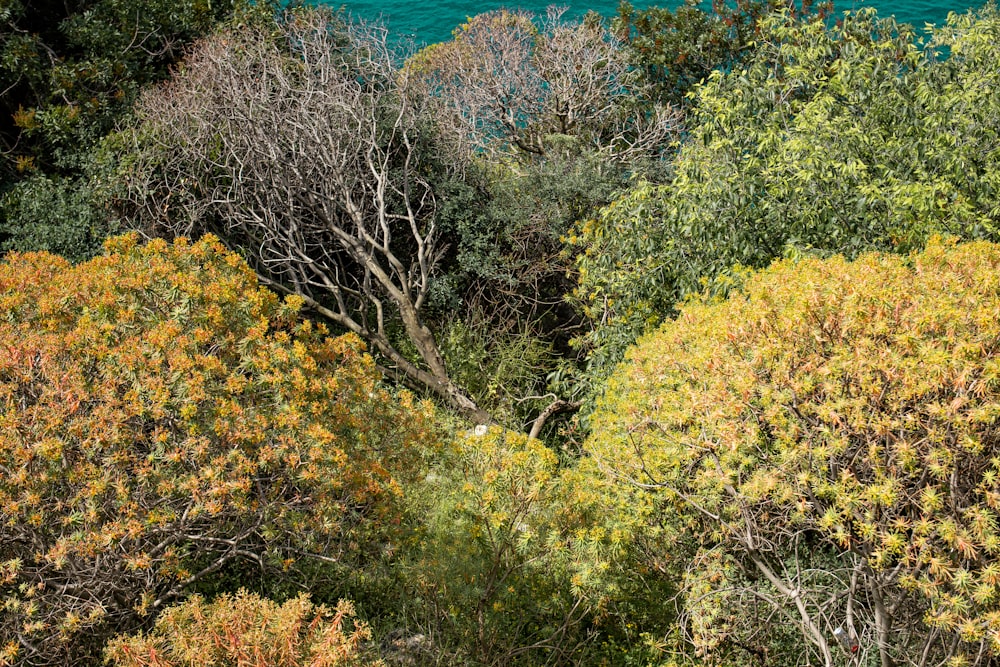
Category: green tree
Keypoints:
(676, 49)
(828, 139)
(164, 419)
(826, 441)
(69, 72)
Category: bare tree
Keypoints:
(300, 145)
(504, 85)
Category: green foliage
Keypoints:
(247, 631)
(509, 272)
(163, 418)
(56, 215)
(676, 49)
(827, 439)
(530, 207)
(489, 577)
(498, 298)
(70, 72)
(499, 369)
(826, 140)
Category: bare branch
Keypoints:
(300, 147)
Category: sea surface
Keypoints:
(429, 21)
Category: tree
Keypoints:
(302, 145)
(542, 117)
(674, 50)
(828, 139)
(164, 419)
(505, 87)
(69, 72)
(249, 631)
(827, 440)
(500, 298)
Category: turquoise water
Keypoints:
(432, 21)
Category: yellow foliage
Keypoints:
(830, 410)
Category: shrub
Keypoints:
(162, 418)
(248, 631)
(825, 140)
(489, 573)
(828, 441)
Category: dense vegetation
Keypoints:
(826, 140)
(69, 71)
(825, 445)
(163, 416)
(664, 341)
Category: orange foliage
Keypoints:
(162, 417)
(248, 631)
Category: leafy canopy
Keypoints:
(674, 50)
(69, 72)
(827, 139)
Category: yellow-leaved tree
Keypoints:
(164, 420)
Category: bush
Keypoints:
(56, 215)
(162, 419)
(249, 631)
(489, 573)
(828, 441)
